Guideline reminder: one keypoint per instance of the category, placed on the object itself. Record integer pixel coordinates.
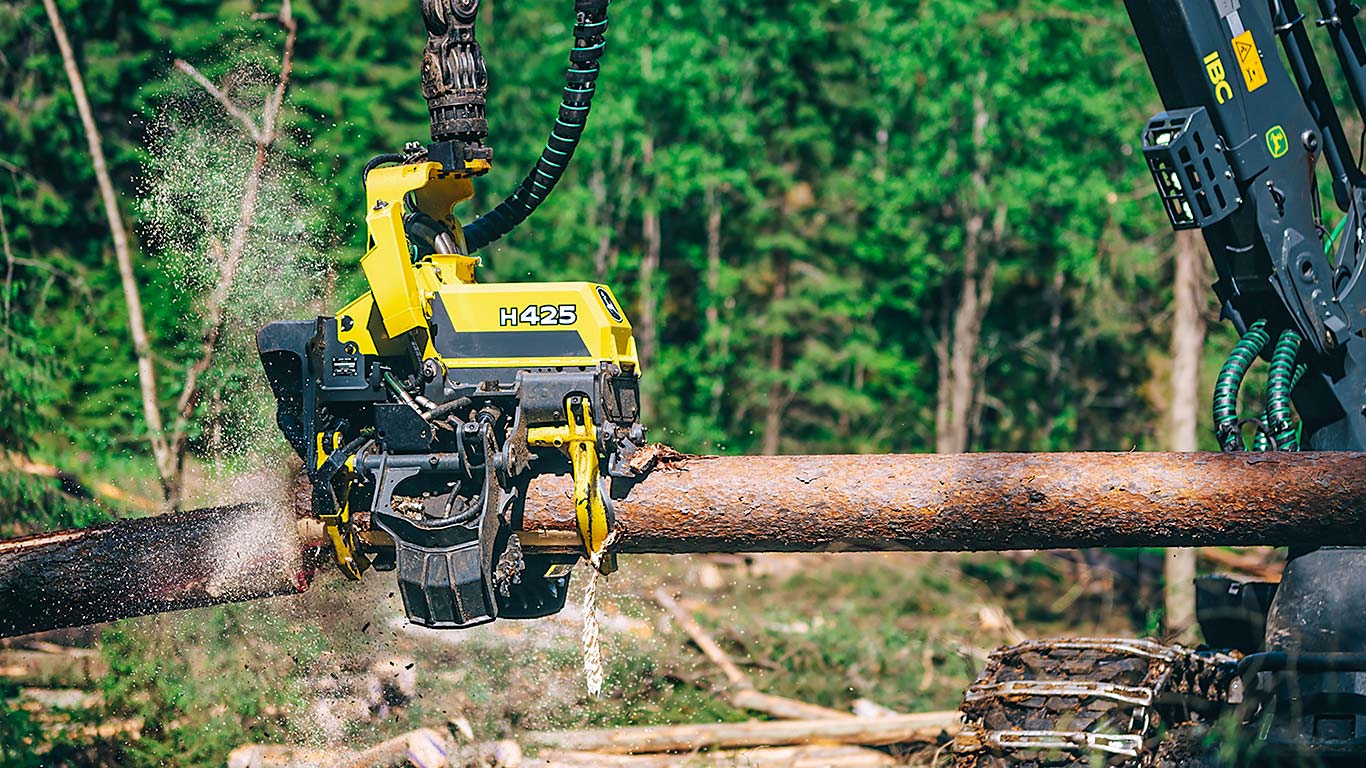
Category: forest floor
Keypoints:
(340, 667)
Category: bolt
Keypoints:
(430, 368)
(1311, 141)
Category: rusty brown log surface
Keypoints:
(742, 504)
(147, 565)
(986, 501)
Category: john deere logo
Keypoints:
(1276, 141)
(610, 305)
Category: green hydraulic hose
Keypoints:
(1262, 442)
(1281, 381)
(1328, 246)
(1231, 380)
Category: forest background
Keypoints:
(874, 226)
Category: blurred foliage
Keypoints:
(202, 683)
(30, 502)
(19, 735)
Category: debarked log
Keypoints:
(740, 504)
(148, 565)
(984, 501)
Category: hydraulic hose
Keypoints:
(1230, 380)
(580, 79)
(1280, 382)
(1262, 441)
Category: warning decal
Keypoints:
(1249, 60)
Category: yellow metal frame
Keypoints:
(398, 310)
(401, 293)
(338, 526)
(578, 438)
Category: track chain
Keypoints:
(1083, 702)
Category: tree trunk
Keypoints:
(602, 220)
(149, 565)
(776, 400)
(958, 387)
(646, 331)
(717, 333)
(229, 258)
(1187, 343)
(971, 502)
(137, 327)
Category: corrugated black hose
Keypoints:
(580, 79)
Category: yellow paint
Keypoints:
(1214, 69)
(578, 438)
(1249, 61)
(401, 292)
(338, 526)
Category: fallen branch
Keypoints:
(921, 727)
(424, 748)
(74, 486)
(771, 757)
(37, 668)
(741, 692)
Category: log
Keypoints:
(962, 502)
(148, 565)
(768, 757)
(965, 502)
(922, 727)
(56, 669)
(424, 747)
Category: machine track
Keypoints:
(1086, 702)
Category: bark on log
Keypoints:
(149, 565)
(743, 504)
(974, 502)
(923, 726)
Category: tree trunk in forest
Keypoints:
(228, 258)
(602, 220)
(1187, 345)
(645, 325)
(137, 326)
(970, 502)
(169, 446)
(958, 353)
(646, 332)
(717, 332)
(776, 400)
